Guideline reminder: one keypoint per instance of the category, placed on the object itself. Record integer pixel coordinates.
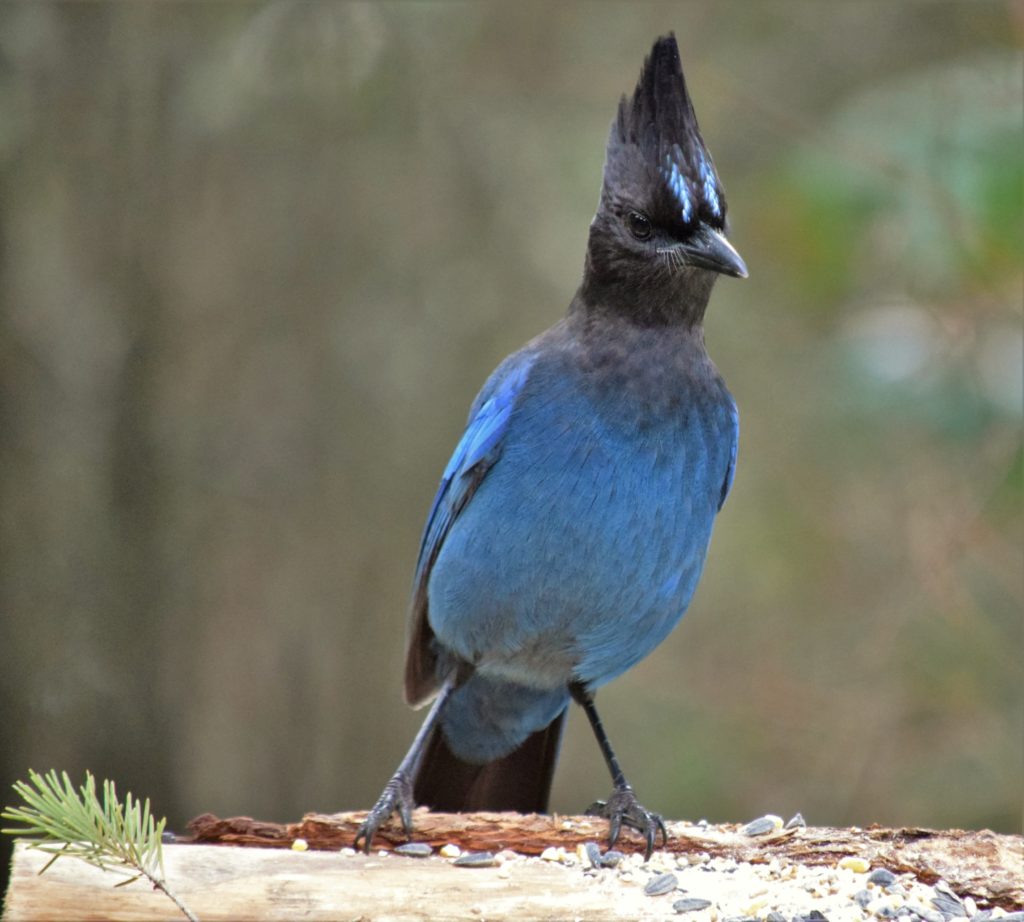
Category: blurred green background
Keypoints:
(256, 261)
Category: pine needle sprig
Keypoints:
(123, 838)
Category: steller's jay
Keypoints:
(572, 522)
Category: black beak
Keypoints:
(709, 249)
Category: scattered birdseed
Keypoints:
(662, 884)
(692, 903)
(476, 860)
(347, 851)
(796, 821)
(611, 858)
(882, 877)
(754, 909)
(415, 850)
(762, 825)
(857, 865)
(885, 908)
(450, 851)
(591, 852)
(299, 845)
(741, 891)
(949, 904)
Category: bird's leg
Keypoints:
(397, 793)
(622, 808)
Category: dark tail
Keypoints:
(520, 781)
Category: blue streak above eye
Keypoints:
(679, 187)
(709, 185)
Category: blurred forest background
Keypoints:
(255, 261)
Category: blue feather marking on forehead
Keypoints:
(709, 184)
(679, 187)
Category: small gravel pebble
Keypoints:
(882, 877)
(762, 825)
(692, 903)
(662, 884)
(775, 917)
(415, 850)
(476, 860)
(863, 897)
(593, 852)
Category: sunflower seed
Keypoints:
(762, 825)
(663, 883)
(476, 860)
(611, 858)
(692, 903)
(415, 850)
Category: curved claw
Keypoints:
(397, 795)
(623, 809)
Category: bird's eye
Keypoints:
(639, 225)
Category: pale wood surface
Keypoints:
(220, 884)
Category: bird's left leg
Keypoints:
(622, 808)
(397, 793)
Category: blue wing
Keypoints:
(477, 452)
(730, 472)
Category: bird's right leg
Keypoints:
(397, 793)
(622, 808)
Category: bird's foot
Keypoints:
(397, 795)
(623, 809)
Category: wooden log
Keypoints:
(984, 865)
(275, 882)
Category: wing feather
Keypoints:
(477, 452)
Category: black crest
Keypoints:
(660, 121)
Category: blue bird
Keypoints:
(572, 522)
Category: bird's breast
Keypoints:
(583, 545)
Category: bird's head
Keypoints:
(659, 230)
